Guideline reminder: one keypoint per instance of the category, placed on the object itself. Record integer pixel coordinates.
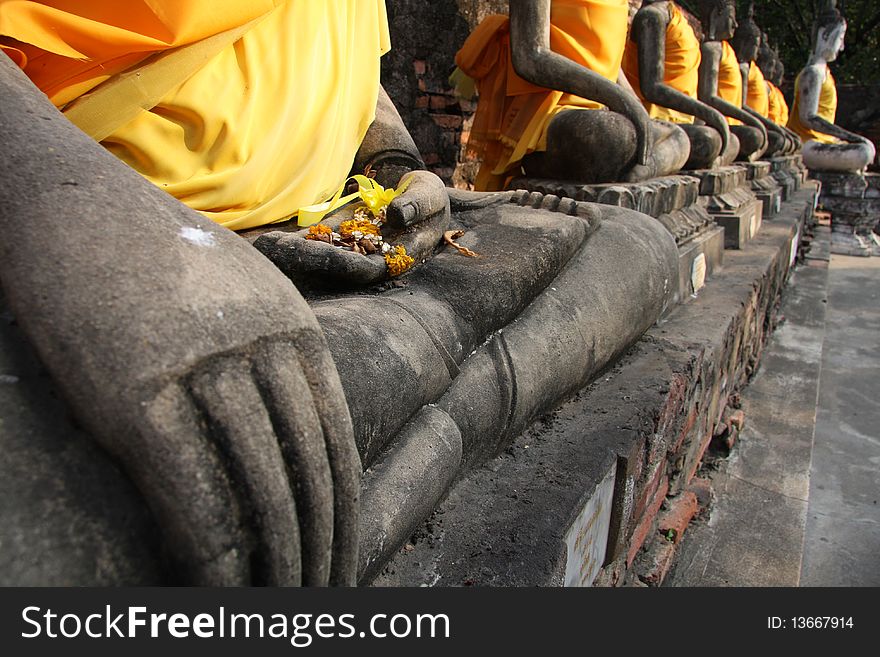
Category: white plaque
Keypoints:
(587, 539)
(698, 273)
(753, 225)
(795, 242)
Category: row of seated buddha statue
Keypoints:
(704, 101)
(264, 406)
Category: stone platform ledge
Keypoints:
(765, 186)
(730, 201)
(789, 172)
(672, 200)
(575, 498)
(854, 203)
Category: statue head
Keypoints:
(766, 59)
(778, 73)
(829, 32)
(718, 18)
(746, 40)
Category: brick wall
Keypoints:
(425, 35)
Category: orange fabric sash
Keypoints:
(730, 81)
(778, 106)
(681, 66)
(512, 114)
(758, 97)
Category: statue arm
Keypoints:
(649, 33)
(707, 89)
(808, 106)
(535, 62)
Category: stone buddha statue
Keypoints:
(553, 102)
(827, 146)
(245, 435)
(773, 70)
(662, 61)
(746, 43)
(721, 81)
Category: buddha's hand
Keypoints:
(632, 109)
(415, 220)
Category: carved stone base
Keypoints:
(789, 172)
(674, 201)
(765, 186)
(698, 260)
(730, 201)
(854, 203)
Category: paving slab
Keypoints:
(842, 543)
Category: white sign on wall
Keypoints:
(698, 273)
(587, 539)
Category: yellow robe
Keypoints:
(513, 115)
(270, 124)
(778, 106)
(681, 69)
(730, 82)
(827, 110)
(757, 96)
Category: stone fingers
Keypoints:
(241, 427)
(290, 403)
(344, 460)
(424, 196)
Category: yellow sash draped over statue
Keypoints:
(513, 115)
(269, 125)
(757, 96)
(730, 81)
(778, 106)
(827, 110)
(681, 67)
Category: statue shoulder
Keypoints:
(711, 49)
(651, 19)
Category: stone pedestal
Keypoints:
(674, 201)
(854, 203)
(789, 172)
(765, 186)
(730, 201)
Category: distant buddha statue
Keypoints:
(721, 81)
(746, 43)
(662, 61)
(774, 70)
(827, 146)
(550, 102)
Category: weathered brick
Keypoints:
(702, 488)
(646, 522)
(654, 564)
(438, 102)
(673, 522)
(419, 67)
(447, 120)
(421, 102)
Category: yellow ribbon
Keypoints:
(369, 191)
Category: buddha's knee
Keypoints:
(750, 140)
(705, 143)
(775, 143)
(586, 145)
(837, 157)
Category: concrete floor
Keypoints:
(798, 499)
(842, 541)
